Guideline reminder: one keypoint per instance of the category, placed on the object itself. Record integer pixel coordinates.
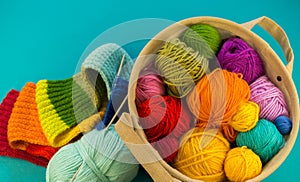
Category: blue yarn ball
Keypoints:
(97, 156)
(283, 124)
(119, 92)
(264, 139)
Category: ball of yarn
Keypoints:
(264, 139)
(242, 164)
(202, 154)
(160, 115)
(215, 99)
(237, 56)
(164, 118)
(245, 117)
(180, 66)
(148, 86)
(269, 98)
(283, 124)
(97, 156)
(167, 148)
(203, 38)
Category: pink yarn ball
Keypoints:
(270, 99)
(148, 86)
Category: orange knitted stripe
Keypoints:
(24, 127)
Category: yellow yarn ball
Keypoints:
(242, 164)
(202, 154)
(246, 117)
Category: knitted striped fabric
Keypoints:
(24, 129)
(104, 63)
(6, 108)
(62, 104)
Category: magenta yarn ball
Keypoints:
(237, 56)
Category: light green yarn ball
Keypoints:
(203, 38)
(97, 156)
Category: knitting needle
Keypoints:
(123, 102)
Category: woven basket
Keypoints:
(281, 75)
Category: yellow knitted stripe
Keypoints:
(57, 131)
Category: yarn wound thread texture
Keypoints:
(269, 98)
(215, 99)
(264, 139)
(242, 164)
(97, 156)
(203, 38)
(6, 108)
(202, 154)
(283, 124)
(245, 117)
(24, 129)
(180, 66)
(164, 120)
(237, 56)
(147, 86)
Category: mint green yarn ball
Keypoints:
(97, 156)
(264, 139)
(203, 38)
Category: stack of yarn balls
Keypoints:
(211, 124)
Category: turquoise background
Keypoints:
(45, 39)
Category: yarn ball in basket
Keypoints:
(264, 139)
(202, 154)
(245, 117)
(203, 38)
(284, 124)
(180, 66)
(242, 164)
(237, 56)
(269, 98)
(215, 100)
(164, 118)
(148, 86)
(97, 156)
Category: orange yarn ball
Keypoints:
(202, 154)
(215, 99)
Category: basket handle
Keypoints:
(278, 34)
(141, 151)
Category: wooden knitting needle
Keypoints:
(123, 102)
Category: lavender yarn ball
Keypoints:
(269, 98)
(237, 56)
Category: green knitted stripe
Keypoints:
(70, 101)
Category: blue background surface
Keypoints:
(44, 40)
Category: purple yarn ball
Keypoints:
(269, 98)
(238, 57)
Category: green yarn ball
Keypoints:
(203, 38)
(180, 66)
(264, 139)
(97, 156)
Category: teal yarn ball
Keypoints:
(264, 139)
(203, 38)
(97, 156)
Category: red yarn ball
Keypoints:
(164, 119)
(167, 148)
